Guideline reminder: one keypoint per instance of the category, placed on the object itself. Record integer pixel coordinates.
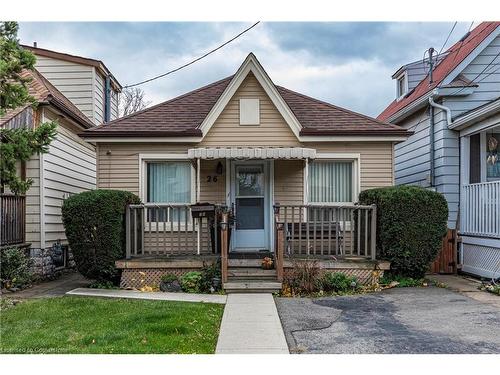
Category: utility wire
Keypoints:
(195, 60)
(448, 37)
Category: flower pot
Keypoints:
(266, 266)
(170, 286)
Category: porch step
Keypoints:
(255, 263)
(252, 286)
(251, 272)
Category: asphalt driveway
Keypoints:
(400, 320)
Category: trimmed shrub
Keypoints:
(15, 267)
(339, 282)
(411, 222)
(95, 227)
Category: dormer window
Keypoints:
(401, 85)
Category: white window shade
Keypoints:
(249, 111)
(331, 181)
(169, 182)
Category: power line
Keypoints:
(448, 37)
(195, 60)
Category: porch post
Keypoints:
(373, 232)
(198, 182)
(128, 254)
(280, 250)
(224, 246)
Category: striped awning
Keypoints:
(252, 153)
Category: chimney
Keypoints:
(34, 44)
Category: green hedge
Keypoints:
(411, 222)
(95, 227)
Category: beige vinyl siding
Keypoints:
(75, 81)
(98, 98)
(118, 163)
(210, 191)
(272, 131)
(289, 182)
(69, 168)
(114, 105)
(33, 202)
(376, 164)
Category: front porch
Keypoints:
(170, 238)
(480, 201)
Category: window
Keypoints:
(492, 156)
(401, 87)
(249, 112)
(169, 182)
(331, 182)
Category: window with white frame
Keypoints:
(401, 86)
(169, 182)
(331, 181)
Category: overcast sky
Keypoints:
(347, 64)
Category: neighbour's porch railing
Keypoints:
(12, 219)
(347, 230)
(480, 212)
(168, 229)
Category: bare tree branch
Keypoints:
(132, 100)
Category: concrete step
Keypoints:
(252, 286)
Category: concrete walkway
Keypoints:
(466, 286)
(251, 325)
(158, 296)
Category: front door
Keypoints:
(250, 198)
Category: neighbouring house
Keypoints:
(88, 83)
(454, 115)
(287, 168)
(69, 90)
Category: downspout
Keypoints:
(433, 105)
(107, 99)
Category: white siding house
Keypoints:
(455, 153)
(81, 80)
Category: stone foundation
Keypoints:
(44, 264)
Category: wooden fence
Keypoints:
(12, 219)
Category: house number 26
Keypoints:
(211, 178)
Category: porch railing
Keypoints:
(480, 213)
(12, 219)
(348, 230)
(168, 229)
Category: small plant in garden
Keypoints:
(15, 268)
(168, 278)
(305, 278)
(402, 281)
(210, 277)
(267, 263)
(170, 283)
(339, 282)
(190, 282)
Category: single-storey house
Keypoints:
(288, 169)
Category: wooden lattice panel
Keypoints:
(139, 277)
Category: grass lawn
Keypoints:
(98, 325)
